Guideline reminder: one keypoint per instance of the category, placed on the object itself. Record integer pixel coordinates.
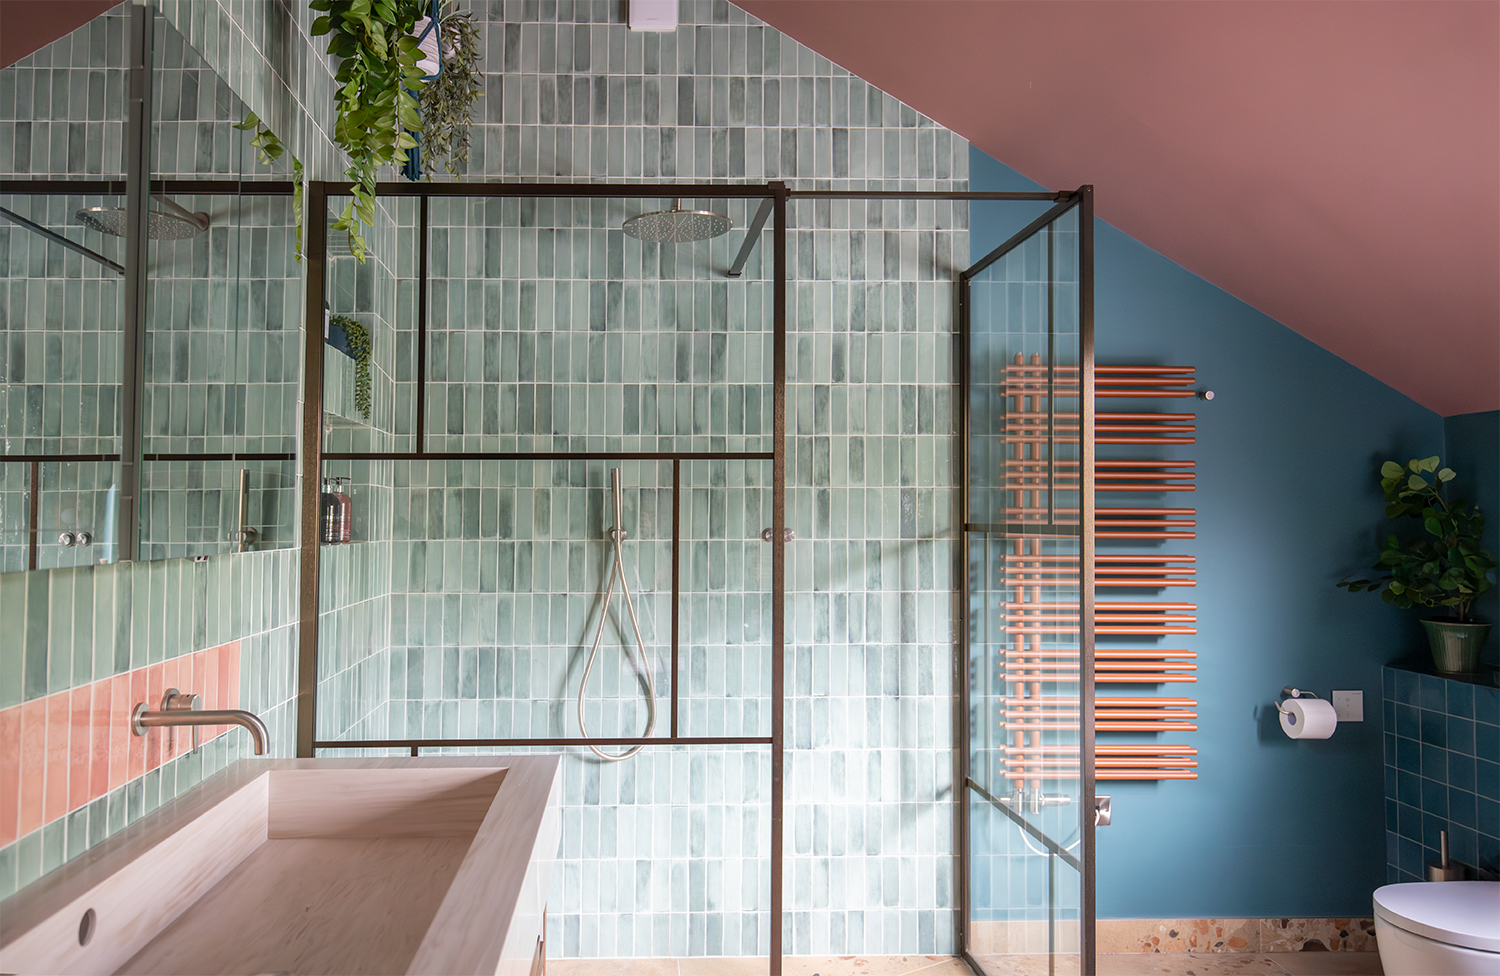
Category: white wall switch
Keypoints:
(1349, 706)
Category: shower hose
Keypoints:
(617, 537)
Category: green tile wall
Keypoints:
(552, 331)
(80, 625)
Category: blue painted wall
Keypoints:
(1473, 451)
(1288, 503)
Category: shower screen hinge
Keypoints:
(1102, 811)
(766, 535)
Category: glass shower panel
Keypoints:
(724, 666)
(551, 330)
(1026, 794)
(369, 397)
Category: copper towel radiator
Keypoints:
(1034, 481)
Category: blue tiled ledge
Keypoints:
(1442, 767)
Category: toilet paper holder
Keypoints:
(1290, 692)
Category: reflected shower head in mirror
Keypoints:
(175, 223)
(677, 226)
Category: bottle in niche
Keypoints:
(336, 513)
(346, 511)
(329, 514)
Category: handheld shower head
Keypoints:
(616, 537)
(619, 499)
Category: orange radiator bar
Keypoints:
(1112, 630)
(1146, 535)
(1066, 432)
(1064, 559)
(1039, 416)
(1102, 512)
(1162, 370)
(1108, 605)
(1121, 678)
(1102, 725)
(1120, 763)
(1069, 464)
(1106, 750)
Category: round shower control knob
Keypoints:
(66, 540)
(84, 539)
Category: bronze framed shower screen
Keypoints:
(775, 198)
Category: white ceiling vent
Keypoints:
(653, 15)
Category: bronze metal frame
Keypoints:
(1084, 862)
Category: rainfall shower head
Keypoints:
(677, 226)
(172, 224)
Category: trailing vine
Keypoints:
(268, 149)
(448, 100)
(378, 83)
(360, 347)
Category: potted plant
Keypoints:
(378, 82)
(447, 99)
(1445, 566)
(350, 337)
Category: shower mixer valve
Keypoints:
(1033, 800)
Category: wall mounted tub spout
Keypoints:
(179, 710)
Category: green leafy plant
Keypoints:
(378, 83)
(360, 347)
(448, 100)
(1444, 567)
(268, 149)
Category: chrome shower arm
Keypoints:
(201, 219)
(62, 241)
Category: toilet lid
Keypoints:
(1463, 913)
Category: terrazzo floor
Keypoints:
(1122, 964)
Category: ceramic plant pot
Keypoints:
(1455, 646)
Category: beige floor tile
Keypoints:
(948, 967)
(1023, 964)
(724, 966)
(1188, 964)
(868, 965)
(611, 967)
(1329, 963)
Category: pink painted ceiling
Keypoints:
(1334, 164)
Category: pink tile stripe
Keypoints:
(63, 751)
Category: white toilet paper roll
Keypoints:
(1308, 718)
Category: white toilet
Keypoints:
(1441, 928)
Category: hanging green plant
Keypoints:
(378, 83)
(448, 100)
(268, 149)
(360, 347)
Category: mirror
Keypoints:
(221, 354)
(62, 115)
(222, 347)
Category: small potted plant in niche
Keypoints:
(350, 337)
(1444, 567)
